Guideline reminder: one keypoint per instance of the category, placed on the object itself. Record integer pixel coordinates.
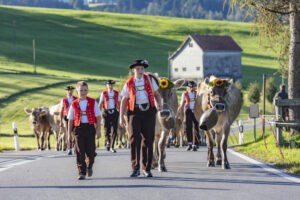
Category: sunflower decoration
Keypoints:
(165, 83)
(219, 83)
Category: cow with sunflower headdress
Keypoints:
(165, 120)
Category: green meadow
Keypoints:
(74, 45)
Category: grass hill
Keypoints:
(74, 45)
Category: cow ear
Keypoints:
(56, 113)
(178, 83)
(43, 112)
(27, 111)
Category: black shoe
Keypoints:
(70, 152)
(194, 148)
(81, 177)
(107, 147)
(90, 172)
(113, 150)
(135, 173)
(189, 147)
(147, 173)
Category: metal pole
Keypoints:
(264, 104)
(34, 56)
(241, 134)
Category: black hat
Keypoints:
(191, 84)
(110, 82)
(139, 63)
(69, 87)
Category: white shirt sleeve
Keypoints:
(61, 103)
(154, 84)
(101, 98)
(71, 113)
(125, 92)
(182, 99)
(97, 109)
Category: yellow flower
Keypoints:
(163, 83)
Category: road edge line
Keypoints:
(266, 167)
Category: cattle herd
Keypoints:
(215, 107)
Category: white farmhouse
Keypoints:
(201, 56)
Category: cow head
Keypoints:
(36, 114)
(217, 90)
(167, 91)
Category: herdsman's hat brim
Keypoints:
(110, 82)
(69, 88)
(139, 63)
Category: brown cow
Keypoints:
(60, 133)
(39, 122)
(226, 99)
(165, 120)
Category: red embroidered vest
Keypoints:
(66, 105)
(132, 92)
(106, 99)
(187, 98)
(89, 111)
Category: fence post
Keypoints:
(16, 138)
(278, 115)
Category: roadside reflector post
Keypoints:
(16, 138)
(241, 132)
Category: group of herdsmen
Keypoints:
(82, 117)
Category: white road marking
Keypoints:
(266, 167)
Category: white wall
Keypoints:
(190, 57)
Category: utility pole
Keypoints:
(34, 56)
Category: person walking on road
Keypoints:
(139, 94)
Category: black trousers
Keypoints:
(85, 146)
(141, 127)
(111, 121)
(193, 137)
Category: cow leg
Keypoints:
(219, 157)
(57, 138)
(43, 141)
(210, 153)
(155, 152)
(225, 163)
(48, 138)
(161, 151)
(38, 140)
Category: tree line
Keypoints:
(72, 4)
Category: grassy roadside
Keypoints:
(291, 161)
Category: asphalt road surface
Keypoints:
(53, 175)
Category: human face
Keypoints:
(82, 92)
(110, 86)
(191, 89)
(138, 71)
(70, 93)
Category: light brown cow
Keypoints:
(39, 122)
(165, 120)
(227, 100)
(60, 133)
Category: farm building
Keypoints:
(201, 56)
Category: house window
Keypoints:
(184, 69)
(198, 68)
(176, 69)
(190, 44)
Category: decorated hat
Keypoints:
(69, 87)
(110, 82)
(191, 84)
(139, 63)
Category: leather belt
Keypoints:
(142, 107)
(110, 111)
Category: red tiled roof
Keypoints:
(212, 42)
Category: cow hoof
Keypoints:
(162, 169)
(210, 164)
(219, 162)
(226, 166)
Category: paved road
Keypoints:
(52, 175)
